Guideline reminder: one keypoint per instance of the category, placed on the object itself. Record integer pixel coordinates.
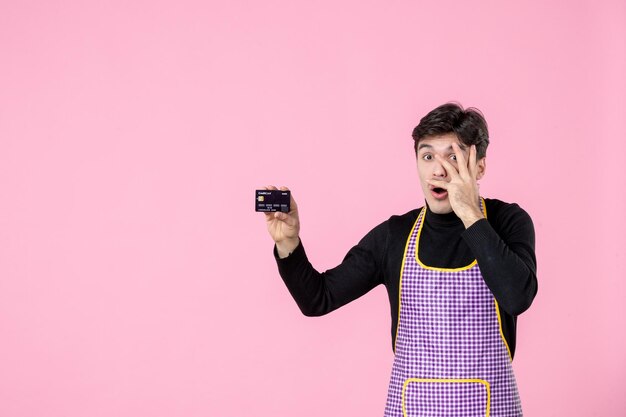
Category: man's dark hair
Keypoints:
(469, 126)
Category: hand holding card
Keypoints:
(284, 227)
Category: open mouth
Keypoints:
(439, 193)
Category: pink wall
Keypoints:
(135, 277)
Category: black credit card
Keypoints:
(273, 200)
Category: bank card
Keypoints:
(273, 200)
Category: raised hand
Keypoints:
(463, 186)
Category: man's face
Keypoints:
(429, 168)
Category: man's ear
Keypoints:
(482, 167)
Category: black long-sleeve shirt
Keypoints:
(503, 244)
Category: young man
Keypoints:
(458, 272)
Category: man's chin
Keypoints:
(439, 206)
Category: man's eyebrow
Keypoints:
(424, 145)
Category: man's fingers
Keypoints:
(285, 218)
(472, 162)
(452, 171)
(460, 158)
(438, 183)
(273, 215)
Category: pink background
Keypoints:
(135, 277)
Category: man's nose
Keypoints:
(439, 170)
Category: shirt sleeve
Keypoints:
(507, 258)
(319, 293)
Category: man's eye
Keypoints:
(427, 157)
(453, 157)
